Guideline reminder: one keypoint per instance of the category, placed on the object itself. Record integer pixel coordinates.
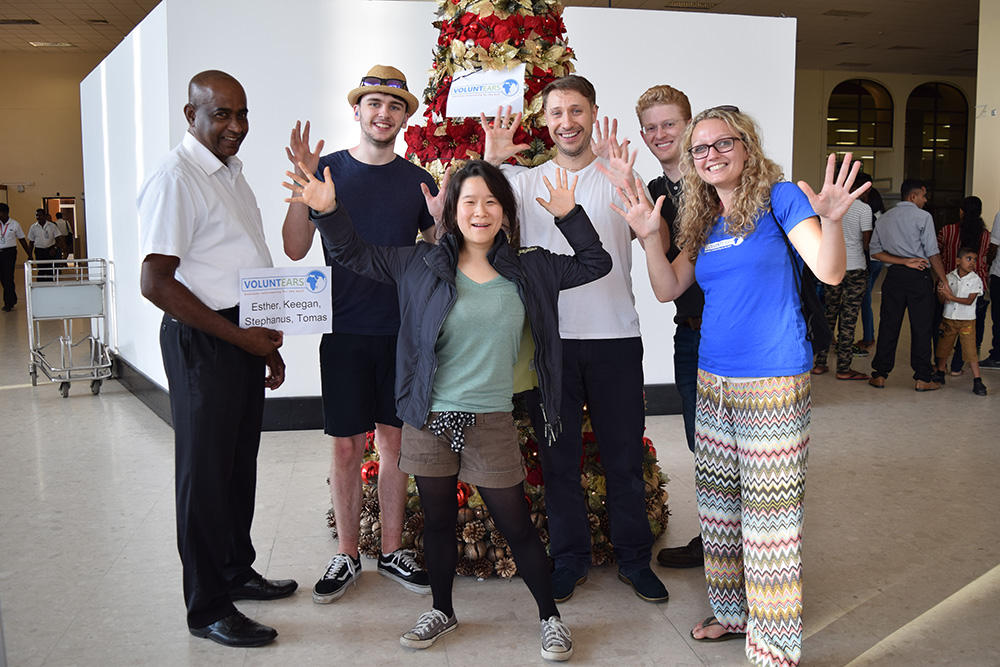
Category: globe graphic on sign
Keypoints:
(315, 281)
(509, 87)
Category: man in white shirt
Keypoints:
(43, 242)
(10, 235)
(199, 226)
(601, 348)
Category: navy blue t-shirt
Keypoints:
(388, 209)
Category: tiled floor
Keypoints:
(902, 543)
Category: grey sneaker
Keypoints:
(340, 571)
(556, 643)
(430, 626)
(400, 566)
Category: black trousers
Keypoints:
(8, 260)
(905, 289)
(217, 401)
(606, 376)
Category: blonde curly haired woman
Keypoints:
(752, 415)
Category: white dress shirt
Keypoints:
(202, 211)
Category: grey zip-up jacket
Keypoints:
(424, 276)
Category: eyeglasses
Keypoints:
(377, 81)
(665, 125)
(724, 145)
(726, 107)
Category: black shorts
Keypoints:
(358, 376)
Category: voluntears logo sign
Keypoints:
(481, 91)
(294, 300)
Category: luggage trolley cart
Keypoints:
(64, 290)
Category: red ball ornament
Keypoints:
(527, 499)
(463, 492)
(369, 471)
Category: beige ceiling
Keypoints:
(906, 36)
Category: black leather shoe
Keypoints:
(237, 630)
(690, 555)
(260, 588)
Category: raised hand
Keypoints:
(601, 141)
(298, 148)
(499, 136)
(836, 196)
(435, 204)
(562, 197)
(320, 196)
(620, 163)
(641, 215)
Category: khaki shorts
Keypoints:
(491, 457)
(965, 331)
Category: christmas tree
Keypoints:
(495, 35)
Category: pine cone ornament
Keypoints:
(505, 568)
(473, 531)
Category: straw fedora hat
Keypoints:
(385, 79)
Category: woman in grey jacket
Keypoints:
(464, 304)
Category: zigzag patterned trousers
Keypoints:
(751, 446)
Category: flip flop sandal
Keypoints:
(728, 636)
(852, 375)
(819, 370)
(958, 374)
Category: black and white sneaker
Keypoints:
(340, 571)
(400, 566)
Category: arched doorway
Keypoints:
(937, 130)
(859, 119)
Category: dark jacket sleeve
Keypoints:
(382, 263)
(590, 261)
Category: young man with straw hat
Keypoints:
(385, 195)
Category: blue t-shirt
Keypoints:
(752, 325)
(388, 209)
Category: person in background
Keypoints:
(960, 316)
(905, 239)
(969, 232)
(992, 361)
(10, 235)
(43, 243)
(843, 301)
(871, 197)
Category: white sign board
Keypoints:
(481, 91)
(294, 300)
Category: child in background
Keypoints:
(960, 318)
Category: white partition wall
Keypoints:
(298, 60)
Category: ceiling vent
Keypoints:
(689, 4)
(846, 13)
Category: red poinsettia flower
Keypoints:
(535, 477)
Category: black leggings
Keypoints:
(509, 513)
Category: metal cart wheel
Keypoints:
(95, 387)
(64, 389)
(34, 376)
